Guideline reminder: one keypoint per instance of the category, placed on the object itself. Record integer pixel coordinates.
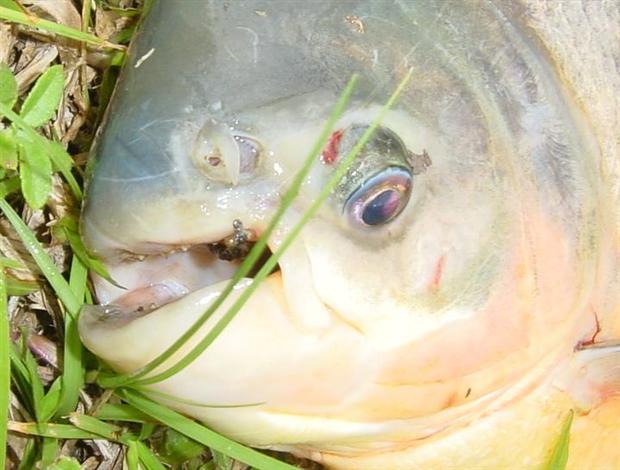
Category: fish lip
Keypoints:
(137, 299)
(118, 314)
(108, 315)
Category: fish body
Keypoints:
(455, 298)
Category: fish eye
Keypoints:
(381, 198)
(377, 185)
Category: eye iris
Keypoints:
(383, 207)
(380, 199)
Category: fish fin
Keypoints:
(593, 376)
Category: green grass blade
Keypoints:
(112, 412)
(96, 426)
(254, 254)
(78, 278)
(271, 263)
(146, 431)
(10, 4)
(49, 403)
(29, 456)
(202, 434)
(72, 379)
(21, 379)
(47, 267)
(11, 263)
(65, 463)
(559, 456)
(132, 460)
(51, 27)
(5, 367)
(56, 431)
(147, 458)
(34, 381)
(73, 368)
(71, 232)
(20, 287)
(49, 451)
(63, 162)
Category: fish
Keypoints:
(453, 302)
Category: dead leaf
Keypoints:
(61, 11)
(105, 23)
(41, 57)
(7, 40)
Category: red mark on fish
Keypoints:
(330, 153)
(590, 341)
(434, 285)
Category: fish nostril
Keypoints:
(225, 154)
(216, 154)
(250, 151)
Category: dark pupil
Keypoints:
(382, 208)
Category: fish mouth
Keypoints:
(142, 284)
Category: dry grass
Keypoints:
(37, 319)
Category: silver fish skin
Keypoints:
(456, 297)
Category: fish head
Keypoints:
(451, 273)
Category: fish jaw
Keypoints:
(586, 386)
(294, 372)
(522, 435)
